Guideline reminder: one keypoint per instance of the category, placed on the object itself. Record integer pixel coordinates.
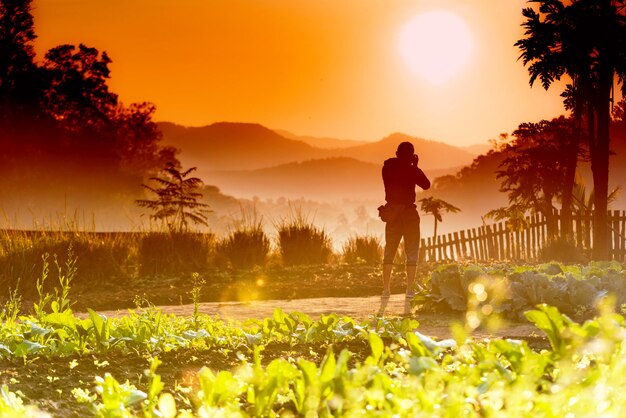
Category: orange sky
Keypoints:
(313, 67)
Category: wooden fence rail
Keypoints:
(499, 242)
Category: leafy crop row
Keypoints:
(574, 289)
(411, 375)
(149, 330)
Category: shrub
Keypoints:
(245, 248)
(99, 256)
(563, 250)
(170, 253)
(302, 243)
(363, 249)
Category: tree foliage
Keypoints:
(586, 40)
(77, 94)
(61, 113)
(534, 170)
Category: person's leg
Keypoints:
(411, 246)
(411, 270)
(392, 239)
(387, 269)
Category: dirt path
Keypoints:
(359, 308)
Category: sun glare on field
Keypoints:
(435, 45)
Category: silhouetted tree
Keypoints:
(78, 96)
(176, 201)
(61, 126)
(585, 39)
(514, 215)
(533, 171)
(20, 81)
(437, 207)
(583, 200)
(138, 140)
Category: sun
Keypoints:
(435, 45)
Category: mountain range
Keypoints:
(248, 160)
(245, 146)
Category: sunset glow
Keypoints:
(436, 45)
(444, 71)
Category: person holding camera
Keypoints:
(400, 176)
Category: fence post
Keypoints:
(534, 237)
(578, 225)
(527, 247)
(481, 242)
(623, 236)
(490, 247)
(430, 253)
(588, 216)
(462, 242)
(501, 237)
(474, 243)
(614, 250)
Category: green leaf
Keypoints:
(418, 365)
(27, 347)
(167, 405)
(376, 345)
(327, 368)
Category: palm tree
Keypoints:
(177, 199)
(586, 40)
(583, 201)
(436, 207)
(514, 215)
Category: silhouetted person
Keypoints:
(400, 176)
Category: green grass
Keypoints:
(300, 242)
(363, 249)
(174, 253)
(244, 248)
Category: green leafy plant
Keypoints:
(197, 282)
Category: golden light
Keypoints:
(435, 45)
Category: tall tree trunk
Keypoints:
(600, 170)
(548, 212)
(571, 161)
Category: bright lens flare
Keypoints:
(435, 45)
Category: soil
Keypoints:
(436, 325)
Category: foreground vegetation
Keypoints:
(291, 365)
(150, 364)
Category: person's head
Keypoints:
(405, 151)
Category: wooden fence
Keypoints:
(499, 242)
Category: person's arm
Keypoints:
(421, 180)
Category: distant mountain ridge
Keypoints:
(322, 179)
(246, 146)
(234, 146)
(321, 142)
(433, 155)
